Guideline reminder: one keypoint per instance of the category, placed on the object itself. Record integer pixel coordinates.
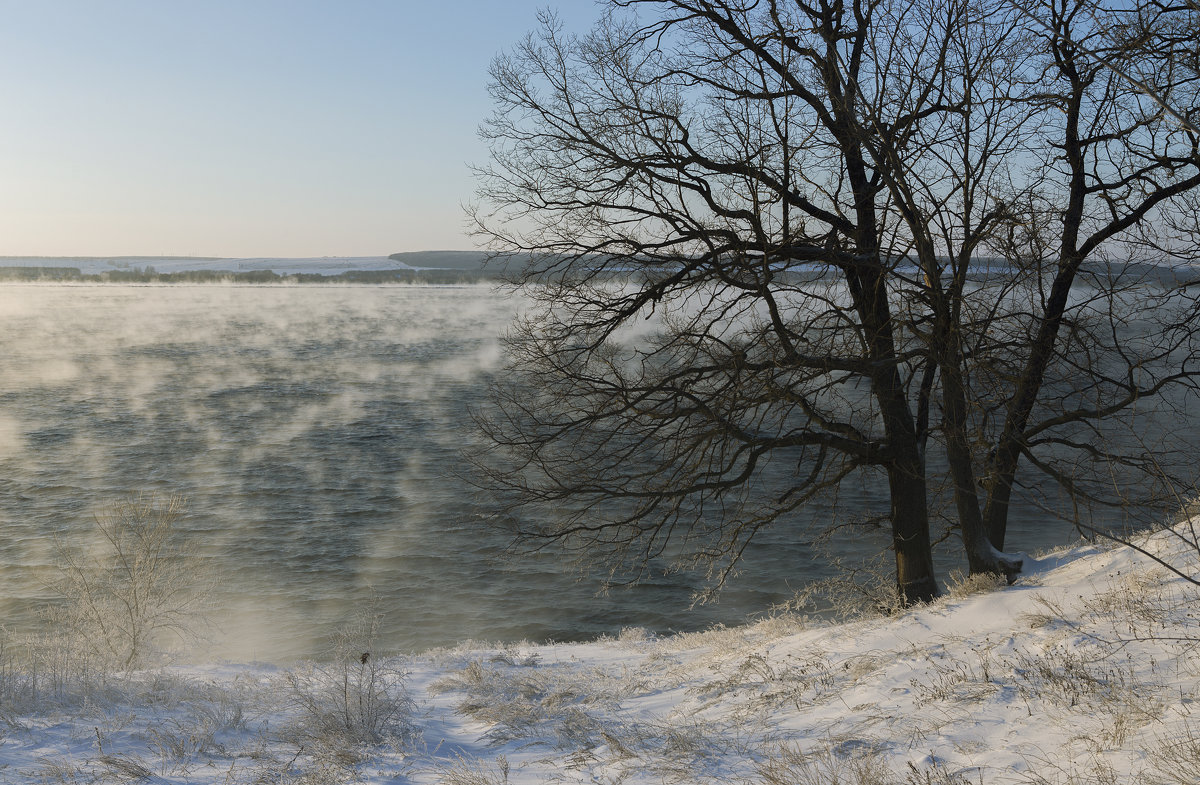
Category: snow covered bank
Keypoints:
(1086, 670)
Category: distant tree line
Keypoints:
(150, 275)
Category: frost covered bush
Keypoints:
(137, 584)
(351, 700)
(855, 591)
(353, 697)
(116, 597)
(962, 586)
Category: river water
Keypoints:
(316, 435)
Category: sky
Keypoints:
(244, 128)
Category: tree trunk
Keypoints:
(982, 555)
(910, 532)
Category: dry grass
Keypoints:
(563, 706)
(1175, 759)
(959, 681)
(827, 765)
(468, 771)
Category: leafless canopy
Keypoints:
(810, 240)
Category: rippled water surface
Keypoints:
(315, 433)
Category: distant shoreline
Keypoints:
(415, 267)
(137, 275)
(328, 266)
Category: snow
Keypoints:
(1085, 670)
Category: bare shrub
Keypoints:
(858, 591)
(15, 682)
(961, 586)
(354, 697)
(117, 601)
(119, 596)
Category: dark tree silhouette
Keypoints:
(854, 229)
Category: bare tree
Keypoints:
(138, 585)
(1069, 132)
(797, 196)
(1114, 155)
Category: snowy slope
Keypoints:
(1084, 671)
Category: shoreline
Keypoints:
(1069, 673)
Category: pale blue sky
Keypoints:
(246, 127)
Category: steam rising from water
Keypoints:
(315, 433)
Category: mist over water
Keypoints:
(316, 434)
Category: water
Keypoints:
(316, 434)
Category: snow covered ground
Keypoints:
(1085, 671)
